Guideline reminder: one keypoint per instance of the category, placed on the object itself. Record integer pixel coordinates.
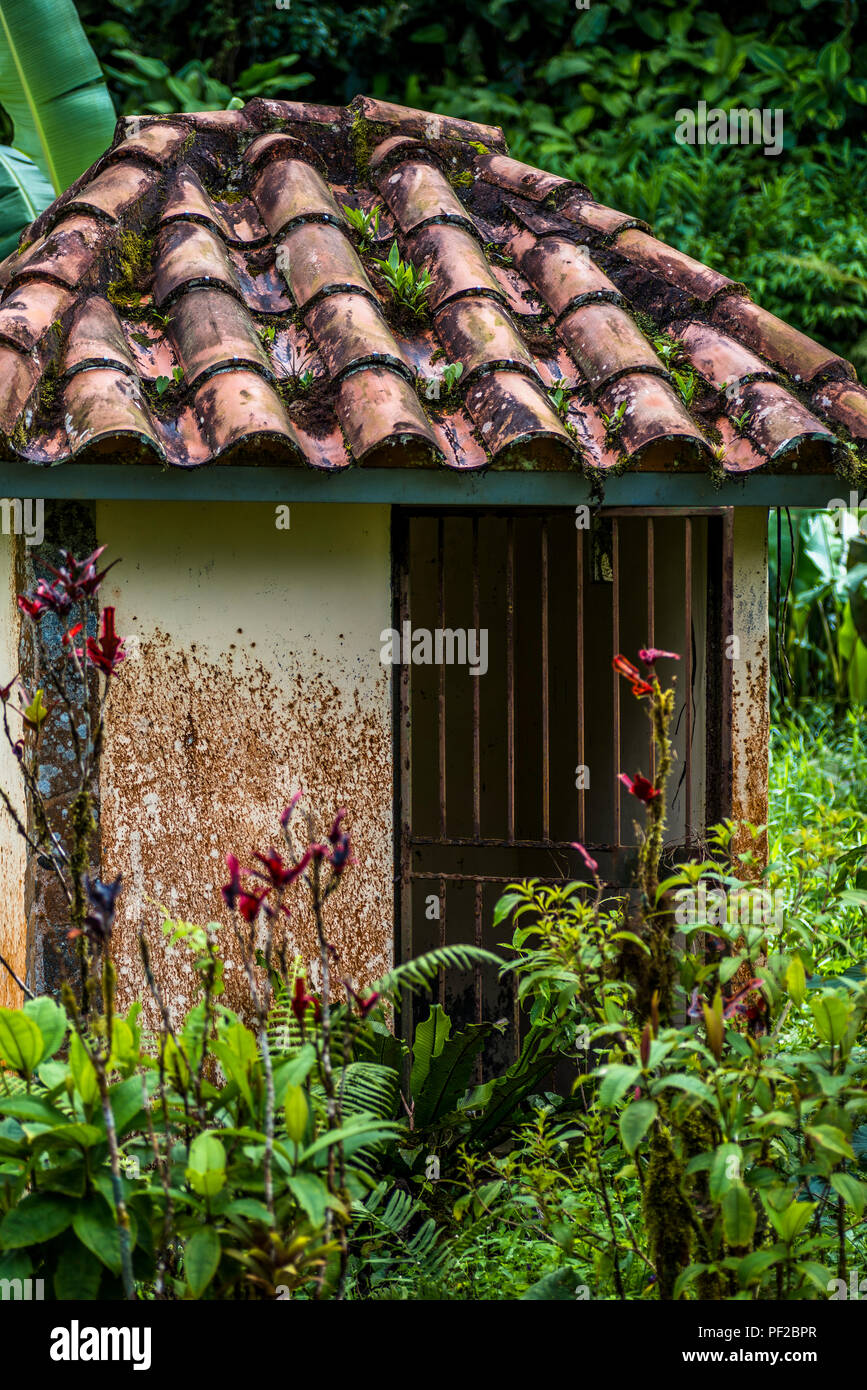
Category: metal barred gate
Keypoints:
(499, 772)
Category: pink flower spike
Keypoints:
(287, 814)
(588, 859)
(651, 654)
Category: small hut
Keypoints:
(400, 441)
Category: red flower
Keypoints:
(107, 653)
(250, 903)
(735, 1005)
(280, 873)
(588, 860)
(287, 814)
(625, 668)
(640, 787)
(302, 1001)
(651, 654)
(231, 891)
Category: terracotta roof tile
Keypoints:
(562, 273)
(212, 250)
(720, 360)
(316, 258)
(478, 332)
(599, 218)
(187, 255)
(672, 265)
(349, 329)
(781, 344)
(379, 412)
(288, 191)
(96, 337)
(776, 422)
(844, 402)
(606, 343)
(653, 418)
(419, 193)
(515, 177)
(455, 262)
(211, 330)
(116, 190)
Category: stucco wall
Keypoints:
(13, 928)
(750, 668)
(255, 670)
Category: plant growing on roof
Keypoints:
(408, 285)
(613, 422)
(366, 224)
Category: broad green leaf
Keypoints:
(739, 1216)
(683, 1081)
(796, 980)
(635, 1122)
(77, 1273)
(448, 1075)
(24, 193)
(36, 1218)
(51, 1020)
(311, 1194)
(201, 1259)
(830, 1138)
(789, 1222)
(32, 1108)
(96, 1228)
(852, 1190)
(296, 1113)
(430, 1039)
(505, 905)
(616, 1080)
(21, 1042)
(831, 1013)
(726, 1169)
(52, 86)
(206, 1169)
(80, 1064)
(752, 1266)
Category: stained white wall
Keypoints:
(254, 669)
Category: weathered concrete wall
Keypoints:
(750, 671)
(256, 670)
(13, 923)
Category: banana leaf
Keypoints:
(24, 193)
(52, 86)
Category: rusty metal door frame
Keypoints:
(718, 740)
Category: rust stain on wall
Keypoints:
(201, 759)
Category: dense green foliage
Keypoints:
(308, 1152)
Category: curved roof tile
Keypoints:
(200, 293)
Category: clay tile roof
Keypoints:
(202, 293)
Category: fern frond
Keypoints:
(421, 972)
(368, 1087)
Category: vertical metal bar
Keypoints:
(651, 621)
(442, 973)
(510, 678)
(477, 697)
(477, 972)
(615, 638)
(728, 584)
(687, 781)
(546, 749)
(579, 642)
(441, 691)
(404, 755)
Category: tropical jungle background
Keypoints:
(713, 1143)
